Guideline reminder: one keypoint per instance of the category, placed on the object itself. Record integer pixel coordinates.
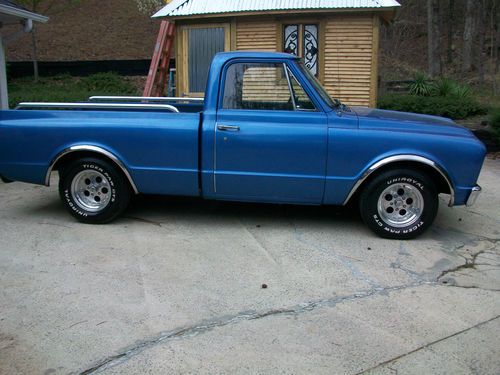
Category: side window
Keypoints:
(257, 86)
(302, 100)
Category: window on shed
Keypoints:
(302, 40)
(203, 45)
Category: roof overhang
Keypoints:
(9, 15)
(193, 9)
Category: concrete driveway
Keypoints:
(177, 287)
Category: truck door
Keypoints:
(270, 139)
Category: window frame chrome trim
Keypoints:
(398, 158)
(290, 76)
(292, 96)
(95, 149)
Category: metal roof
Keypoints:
(184, 8)
(10, 12)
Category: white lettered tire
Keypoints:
(399, 204)
(93, 190)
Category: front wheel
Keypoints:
(399, 204)
(93, 190)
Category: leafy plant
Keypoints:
(443, 87)
(462, 91)
(448, 87)
(421, 86)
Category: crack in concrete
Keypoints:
(471, 260)
(469, 263)
(145, 221)
(397, 265)
(353, 269)
(428, 345)
(261, 245)
(208, 325)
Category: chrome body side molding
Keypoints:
(97, 150)
(399, 158)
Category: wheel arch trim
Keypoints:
(94, 149)
(401, 158)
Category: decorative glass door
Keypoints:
(302, 40)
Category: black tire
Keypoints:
(110, 191)
(395, 216)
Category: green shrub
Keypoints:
(107, 83)
(447, 87)
(448, 106)
(421, 85)
(65, 88)
(495, 123)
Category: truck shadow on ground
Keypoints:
(150, 207)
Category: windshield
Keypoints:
(319, 88)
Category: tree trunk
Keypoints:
(34, 54)
(469, 31)
(433, 35)
(481, 30)
(497, 38)
(451, 21)
(495, 52)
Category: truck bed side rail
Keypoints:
(110, 106)
(145, 99)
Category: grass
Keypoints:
(65, 88)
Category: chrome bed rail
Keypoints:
(144, 99)
(139, 106)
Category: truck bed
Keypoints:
(159, 146)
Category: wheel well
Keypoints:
(440, 181)
(67, 159)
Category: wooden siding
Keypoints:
(348, 49)
(256, 36)
(349, 59)
(267, 84)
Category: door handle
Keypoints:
(228, 128)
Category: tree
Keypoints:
(469, 34)
(150, 6)
(451, 21)
(49, 7)
(481, 30)
(434, 37)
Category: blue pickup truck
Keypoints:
(266, 131)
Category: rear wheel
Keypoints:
(399, 204)
(93, 190)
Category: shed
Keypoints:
(338, 39)
(13, 14)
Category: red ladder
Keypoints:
(158, 71)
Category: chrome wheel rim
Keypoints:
(400, 205)
(91, 190)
